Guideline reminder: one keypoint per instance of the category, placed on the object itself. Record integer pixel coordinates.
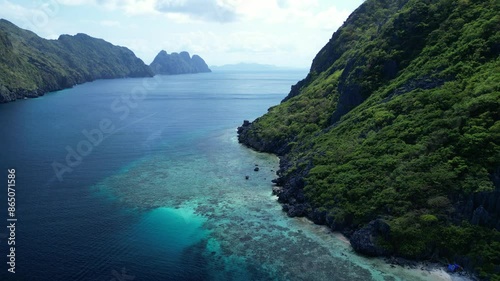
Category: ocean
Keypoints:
(144, 179)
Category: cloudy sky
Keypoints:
(279, 32)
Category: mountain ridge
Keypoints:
(393, 136)
(31, 66)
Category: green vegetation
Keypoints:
(31, 66)
(399, 119)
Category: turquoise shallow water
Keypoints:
(163, 197)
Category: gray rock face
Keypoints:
(364, 240)
(178, 63)
(199, 64)
(185, 56)
(481, 208)
(480, 216)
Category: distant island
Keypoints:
(178, 63)
(243, 66)
(31, 66)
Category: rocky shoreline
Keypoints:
(11, 95)
(288, 187)
(289, 190)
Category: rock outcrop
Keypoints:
(178, 63)
(366, 239)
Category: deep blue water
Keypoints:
(152, 186)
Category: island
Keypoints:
(31, 66)
(178, 63)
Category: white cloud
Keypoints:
(11, 10)
(252, 42)
(37, 18)
(269, 11)
(136, 6)
(76, 2)
(329, 19)
(209, 10)
(109, 23)
(282, 32)
(129, 6)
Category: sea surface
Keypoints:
(144, 179)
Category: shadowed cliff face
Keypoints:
(31, 66)
(199, 64)
(394, 136)
(482, 208)
(178, 63)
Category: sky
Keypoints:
(286, 33)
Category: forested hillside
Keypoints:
(31, 66)
(393, 138)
